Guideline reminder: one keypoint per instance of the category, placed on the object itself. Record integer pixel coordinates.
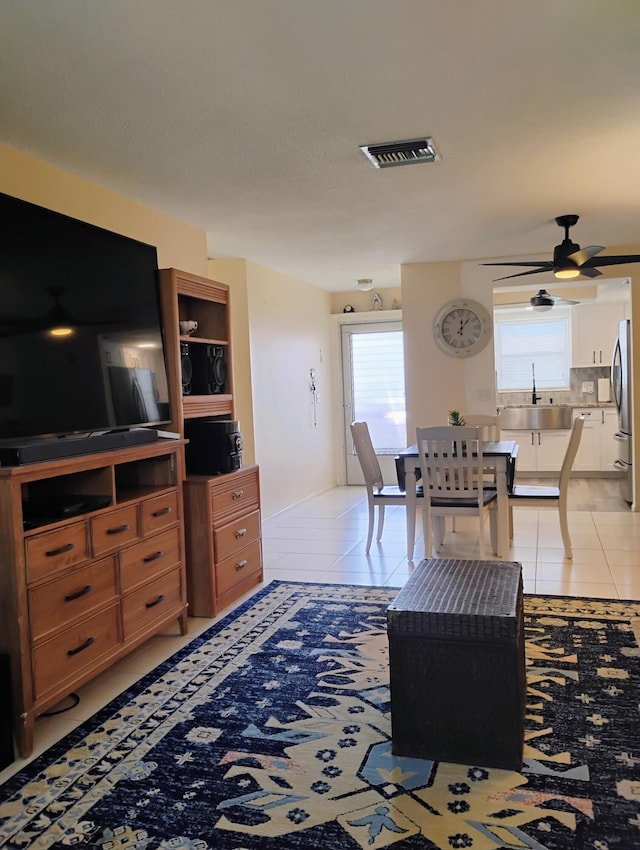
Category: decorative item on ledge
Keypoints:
(376, 301)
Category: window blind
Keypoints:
(542, 340)
(378, 392)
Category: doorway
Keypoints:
(374, 392)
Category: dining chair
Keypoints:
(488, 423)
(452, 463)
(379, 494)
(537, 495)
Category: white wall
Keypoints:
(434, 383)
(233, 272)
(289, 334)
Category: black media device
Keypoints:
(209, 365)
(33, 450)
(186, 368)
(214, 447)
(81, 342)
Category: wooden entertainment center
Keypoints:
(79, 592)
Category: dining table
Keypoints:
(498, 456)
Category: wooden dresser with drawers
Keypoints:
(223, 538)
(78, 592)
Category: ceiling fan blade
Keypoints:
(614, 261)
(544, 266)
(587, 271)
(580, 257)
(521, 274)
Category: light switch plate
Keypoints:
(587, 387)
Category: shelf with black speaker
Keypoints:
(200, 374)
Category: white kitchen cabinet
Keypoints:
(598, 450)
(588, 456)
(594, 330)
(609, 448)
(526, 460)
(539, 451)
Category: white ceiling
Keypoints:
(245, 117)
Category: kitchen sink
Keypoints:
(536, 417)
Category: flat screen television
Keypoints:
(81, 343)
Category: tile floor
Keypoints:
(322, 540)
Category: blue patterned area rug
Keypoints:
(272, 732)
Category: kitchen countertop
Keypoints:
(599, 405)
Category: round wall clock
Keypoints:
(462, 327)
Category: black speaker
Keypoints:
(214, 447)
(209, 364)
(186, 368)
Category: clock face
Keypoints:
(462, 328)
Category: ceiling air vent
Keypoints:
(409, 152)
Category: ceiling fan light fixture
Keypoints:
(365, 284)
(566, 273)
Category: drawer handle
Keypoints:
(82, 646)
(238, 494)
(241, 565)
(78, 593)
(53, 552)
(240, 533)
(119, 529)
(153, 557)
(162, 512)
(155, 601)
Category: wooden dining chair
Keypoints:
(452, 464)
(379, 494)
(536, 496)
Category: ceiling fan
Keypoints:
(57, 321)
(542, 300)
(569, 260)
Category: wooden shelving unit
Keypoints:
(222, 512)
(188, 297)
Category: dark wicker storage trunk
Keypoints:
(457, 667)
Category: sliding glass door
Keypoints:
(373, 392)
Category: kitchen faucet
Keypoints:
(534, 398)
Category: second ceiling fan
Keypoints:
(569, 259)
(542, 300)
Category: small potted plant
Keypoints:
(456, 418)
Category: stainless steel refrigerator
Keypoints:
(621, 386)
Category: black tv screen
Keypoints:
(81, 345)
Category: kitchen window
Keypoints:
(526, 338)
